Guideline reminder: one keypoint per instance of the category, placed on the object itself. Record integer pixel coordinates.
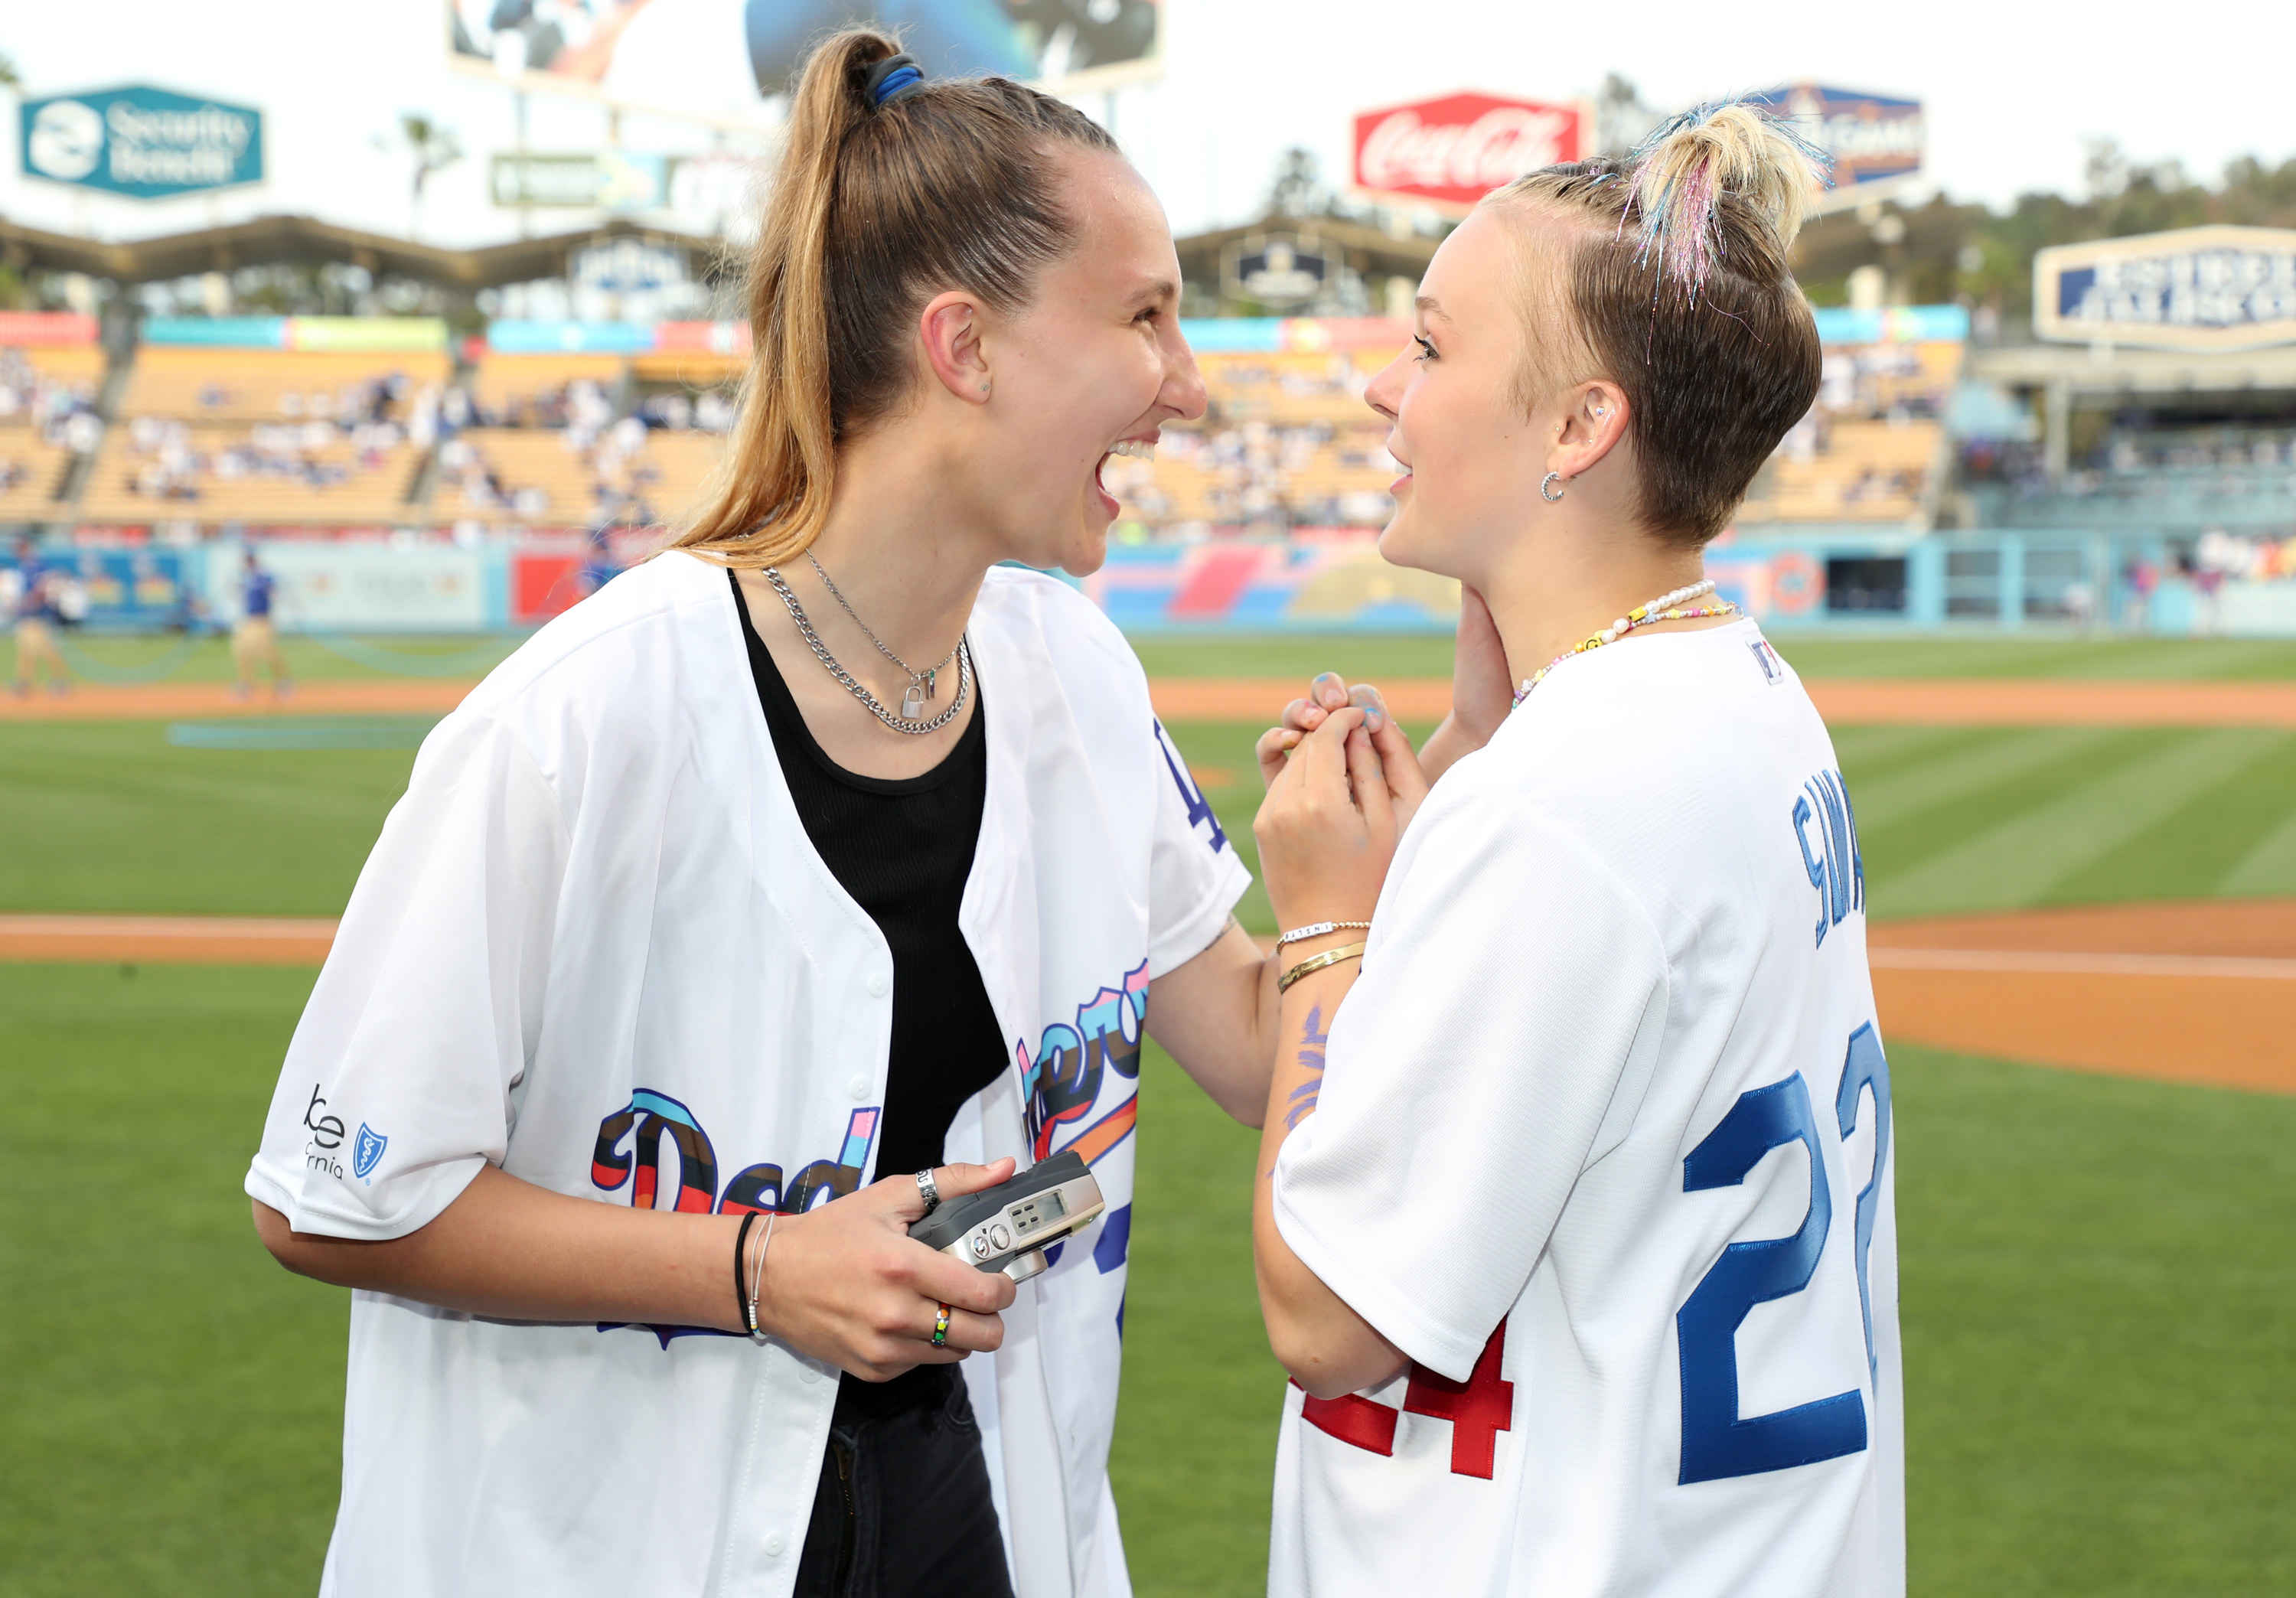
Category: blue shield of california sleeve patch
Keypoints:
(367, 1150)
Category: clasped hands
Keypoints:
(1342, 783)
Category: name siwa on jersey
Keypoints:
(1826, 828)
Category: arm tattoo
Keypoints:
(1301, 1101)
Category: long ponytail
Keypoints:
(874, 208)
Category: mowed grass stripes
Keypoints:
(1954, 820)
(108, 817)
(2095, 1283)
(2095, 1291)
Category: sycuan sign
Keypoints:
(142, 141)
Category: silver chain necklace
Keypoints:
(921, 684)
(904, 723)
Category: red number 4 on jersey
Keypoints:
(1478, 1409)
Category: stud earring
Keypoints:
(1546, 483)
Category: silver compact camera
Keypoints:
(1006, 1227)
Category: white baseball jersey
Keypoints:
(1603, 1147)
(595, 946)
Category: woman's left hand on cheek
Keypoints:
(1327, 829)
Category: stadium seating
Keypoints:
(2150, 473)
(535, 390)
(31, 471)
(1873, 447)
(682, 389)
(592, 438)
(264, 437)
(626, 474)
(534, 440)
(1286, 440)
(305, 473)
(47, 412)
(205, 385)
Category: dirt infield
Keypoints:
(2189, 992)
(165, 701)
(1865, 701)
(1845, 700)
(2202, 993)
(165, 940)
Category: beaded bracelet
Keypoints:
(1297, 934)
(1345, 951)
(741, 1259)
(749, 1302)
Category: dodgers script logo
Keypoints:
(1075, 1066)
(628, 1154)
(651, 1117)
(366, 1149)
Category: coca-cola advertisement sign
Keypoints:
(1459, 148)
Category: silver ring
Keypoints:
(1542, 485)
(928, 1190)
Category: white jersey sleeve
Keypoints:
(1511, 986)
(397, 1086)
(1194, 876)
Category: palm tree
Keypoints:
(435, 147)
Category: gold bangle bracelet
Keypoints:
(1316, 963)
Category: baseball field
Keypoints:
(2081, 858)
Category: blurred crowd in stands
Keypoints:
(168, 463)
(62, 409)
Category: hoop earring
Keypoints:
(1545, 483)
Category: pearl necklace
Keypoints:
(1664, 607)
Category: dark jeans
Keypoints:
(903, 1510)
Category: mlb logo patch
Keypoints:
(1766, 658)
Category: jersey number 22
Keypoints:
(1716, 1441)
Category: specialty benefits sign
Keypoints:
(2219, 289)
(145, 142)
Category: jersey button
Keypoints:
(858, 1087)
(773, 1544)
(808, 1375)
(878, 985)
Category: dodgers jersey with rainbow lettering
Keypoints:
(1603, 1147)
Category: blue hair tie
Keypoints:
(890, 78)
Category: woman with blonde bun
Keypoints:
(824, 868)
(1573, 1223)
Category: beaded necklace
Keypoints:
(1666, 607)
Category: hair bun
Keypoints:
(1683, 171)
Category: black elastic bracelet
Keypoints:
(740, 1283)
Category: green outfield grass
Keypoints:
(2095, 1277)
(107, 816)
(1951, 818)
(1368, 657)
(1360, 656)
(2095, 1305)
(2095, 1302)
(124, 657)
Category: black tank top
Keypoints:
(902, 848)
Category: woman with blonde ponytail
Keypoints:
(826, 867)
(1573, 1223)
